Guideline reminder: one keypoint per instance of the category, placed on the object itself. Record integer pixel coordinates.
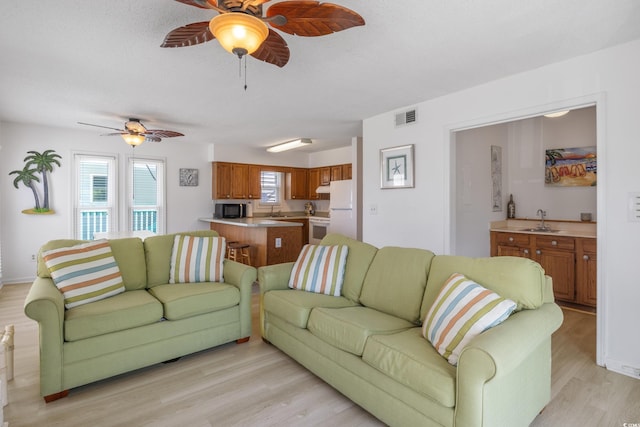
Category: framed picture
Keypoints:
(571, 167)
(396, 167)
(188, 177)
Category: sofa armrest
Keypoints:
(275, 276)
(45, 304)
(505, 372)
(241, 276)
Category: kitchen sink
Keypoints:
(541, 230)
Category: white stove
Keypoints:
(318, 227)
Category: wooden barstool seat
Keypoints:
(239, 252)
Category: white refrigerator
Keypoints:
(342, 210)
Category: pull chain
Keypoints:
(240, 58)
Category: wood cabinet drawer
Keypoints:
(589, 245)
(512, 239)
(554, 242)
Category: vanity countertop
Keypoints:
(558, 228)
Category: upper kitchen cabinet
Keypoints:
(346, 171)
(336, 173)
(325, 175)
(221, 180)
(297, 184)
(254, 184)
(239, 180)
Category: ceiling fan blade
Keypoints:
(159, 133)
(273, 50)
(99, 126)
(203, 4)
(189, 35)
(312, 19)
(114, 133)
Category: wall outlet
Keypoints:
(278, 242)
(373, 209)
(33, 258)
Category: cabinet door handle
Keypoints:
(526, 251)
(538, 252)
(585, 257)
(511, 239)
(554, 243)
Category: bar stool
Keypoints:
(239, 252)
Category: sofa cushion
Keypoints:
(396, 281)
(360, 256)
(519, 279)
(462, 311)
(197, 259)
(123, 311)
(348, 328)
(158, 249)
(319, 269)
(409, 359)
(84, 273)
(295, 306)
(182, 300)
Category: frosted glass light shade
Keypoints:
(133, 139)
(239, 33)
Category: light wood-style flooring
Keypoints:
(254, 384)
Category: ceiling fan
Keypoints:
(242, 29)
(135, 133)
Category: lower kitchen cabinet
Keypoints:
(570, 261)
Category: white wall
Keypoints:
(420, 216)
(22, 235)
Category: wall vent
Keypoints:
(634, 207)
(406, 118)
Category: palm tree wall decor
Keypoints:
(44, 163)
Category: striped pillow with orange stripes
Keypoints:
(197, 259)
(320, 269)
(84, 273)
(462, 311)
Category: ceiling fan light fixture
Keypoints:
(239, 33)
(556, 114)
(296, 143)
(133, 139)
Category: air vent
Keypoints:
(634, 207)
(406, 118)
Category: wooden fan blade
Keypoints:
(114, 133)
(99, 126)
(312, 19)
(159, 133)
(203, 4)
(189, 35)
(273, 50)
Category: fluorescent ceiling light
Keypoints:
(289, 145)
(556, 114)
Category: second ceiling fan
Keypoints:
(242, 29)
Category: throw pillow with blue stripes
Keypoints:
(320, 269)
(462, 311)
(197, 259)
(84, 273)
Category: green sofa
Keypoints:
(368, 344)
(132, 330)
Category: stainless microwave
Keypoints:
(230, 210)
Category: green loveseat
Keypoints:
(135, 329)
(368, 343)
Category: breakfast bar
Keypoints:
(272, 241)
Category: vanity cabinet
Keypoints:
(570, 261)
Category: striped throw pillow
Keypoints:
(320, 269)
(462, 311)
(84, 273)
(197, 259)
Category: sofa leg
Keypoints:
(56, 396)
(242, 340)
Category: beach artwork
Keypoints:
(571, 167)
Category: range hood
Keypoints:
(323, 189)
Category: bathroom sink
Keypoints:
(540, 230)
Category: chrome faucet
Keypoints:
(271, 214)
(542, 214)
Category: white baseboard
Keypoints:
(623, 368)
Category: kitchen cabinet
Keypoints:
(221, 180)
(570, 261)
(336, 173)
(305, 228)
(254, 184)
(297, 184)
(239, 180)
(347, 171)
(586, 272)
(314, 182)
(325, 175)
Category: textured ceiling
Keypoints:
(100, 62)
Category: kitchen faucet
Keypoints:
(542, 214)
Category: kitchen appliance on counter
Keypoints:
(318, 228)
(341, 209)
(309, 209)
(230, 210)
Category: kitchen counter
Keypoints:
(559, 228)
(255, 222)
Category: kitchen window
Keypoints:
(271, 188)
